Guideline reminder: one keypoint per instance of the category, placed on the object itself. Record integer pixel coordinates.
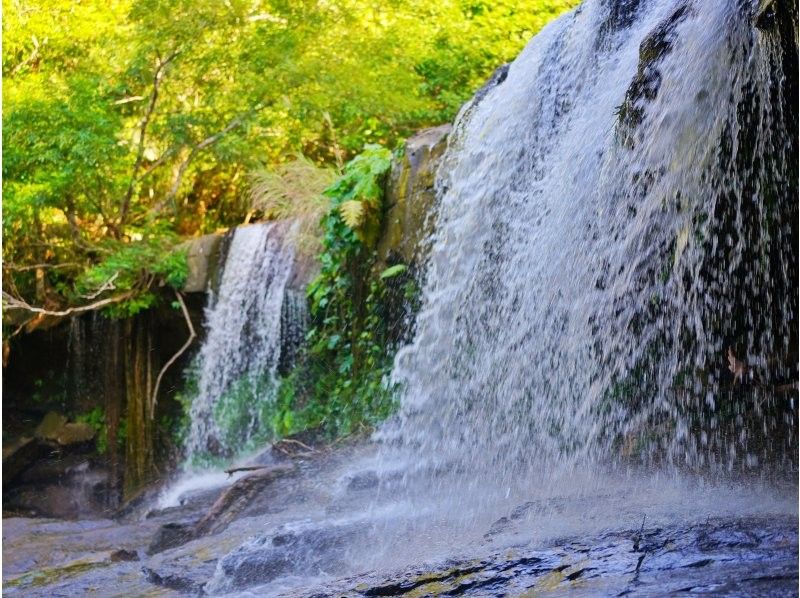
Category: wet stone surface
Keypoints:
(751, 556)
(729, 556)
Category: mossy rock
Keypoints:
(55, 427)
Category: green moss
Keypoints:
(45, 577)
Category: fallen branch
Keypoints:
(174, 358)
(298, 443)
(281, 447)
(236, 498)
(234, 470)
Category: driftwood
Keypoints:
(227, 506)
(283, 446)
(237, 497)
(234, 470)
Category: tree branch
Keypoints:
(126, 203)
(11, 303)
(157, 163)
(205, 143)
(16, 268)
(128, 100)
(175, 357)
(32, 59)
(106, 286)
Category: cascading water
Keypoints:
(239, 358)
(618, 217)
(617, 227)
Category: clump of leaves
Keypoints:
(340, 383)
(96, 418)
(133, 269)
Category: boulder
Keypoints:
(411, 199)
(171, 535)
(55, 427)
(50, 426)
(19, 455)
(75, 433)
(296, 549)
(203, 257)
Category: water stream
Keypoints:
(240, 355)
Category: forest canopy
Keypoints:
(130, 124)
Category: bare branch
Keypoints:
(128, 100)
(163, 158)
(175, 357)
(232, 470)
(267, 17)
(207, 142)
(106, 286)
(11, 303)
(32, 59)
(16, 268)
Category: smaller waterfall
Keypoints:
(239, 359)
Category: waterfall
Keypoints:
(617, 221)
(239, 358)
(616, 227)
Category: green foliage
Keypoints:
(294, 190)
(130, 267)
(393, 271)
(340, 384)
(347, 257)
(244, 411)
(133, 119)
(97, 419)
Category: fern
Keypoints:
(352, 212)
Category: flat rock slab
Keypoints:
(743, 557)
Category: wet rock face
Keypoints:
(411, 198)
(308, 551)
(754, 556)
(621, 14)
(647, 81)
(408, 223)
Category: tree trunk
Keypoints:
(139, 464)
(113, 391)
